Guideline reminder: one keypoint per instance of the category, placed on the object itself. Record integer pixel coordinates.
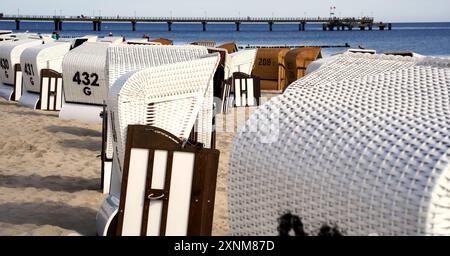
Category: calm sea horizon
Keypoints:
(431, 38)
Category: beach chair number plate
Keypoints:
(29, 71)
(264, 62)
(4, 64)
(88, 79)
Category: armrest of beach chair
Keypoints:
(17, 82)
(168, 186)
(246, 90)
(51, 90)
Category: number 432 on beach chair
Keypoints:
(168, 186)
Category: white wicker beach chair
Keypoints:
(125, 58)
(10, 72)
(351, 65)
(169, 97)
(41, 90)
(85, 84)
(242, 61)
(370, 154)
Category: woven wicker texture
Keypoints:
(11, 51)
(370, 154)
(125, 58)
(168, 96)
(36, 58)
(86, 64)
(353, 65)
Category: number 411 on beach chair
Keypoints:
(168, 186)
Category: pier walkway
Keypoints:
(330, 23)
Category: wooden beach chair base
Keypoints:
(241, 90)
(83, 112)
(6, 92)
(30, 100)
(168, 187)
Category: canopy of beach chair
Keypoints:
(125, 58)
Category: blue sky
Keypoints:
(383, 10)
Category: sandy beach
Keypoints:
(50, 174)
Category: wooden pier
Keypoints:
(329, 24)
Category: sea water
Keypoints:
(423, 38)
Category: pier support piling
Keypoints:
(303, 26)
(238, 25)
(169, 26)
(17, 24)
(58, 25)
(324, 27)
(133, 25)
(204, 25)
(389, 26)
(362, 28)
(370, 27)
(99, 26)
(270, 26)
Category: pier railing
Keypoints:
(188, 19)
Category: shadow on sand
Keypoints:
(54, 183)
(33, 113)
(77, 131)
(89, 144)
(80, 219)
